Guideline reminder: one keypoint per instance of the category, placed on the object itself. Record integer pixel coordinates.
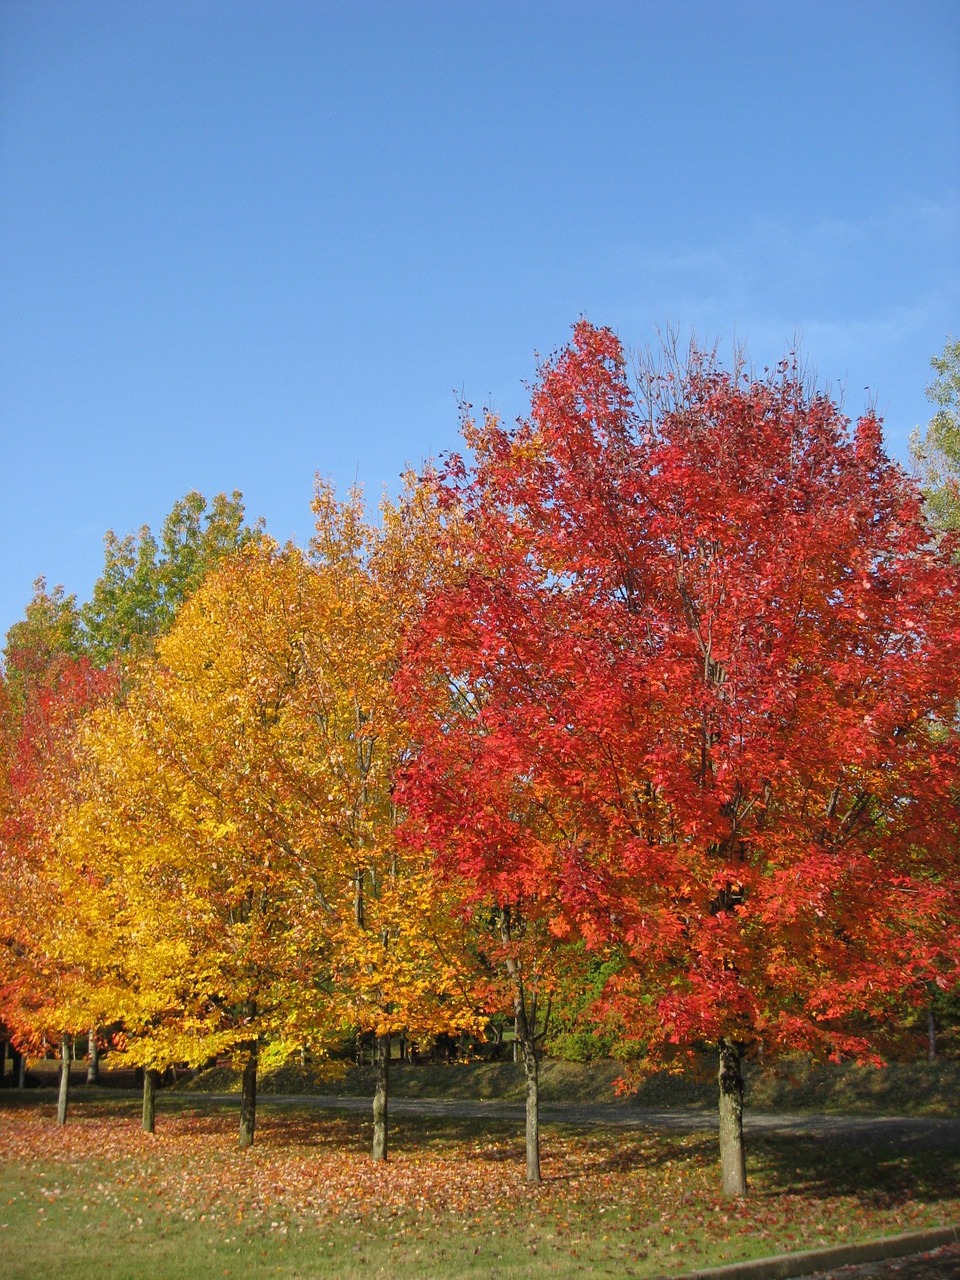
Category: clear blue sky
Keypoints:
(241, 243)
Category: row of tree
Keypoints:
(655, 695)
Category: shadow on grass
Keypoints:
(884, 1174)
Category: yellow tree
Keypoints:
(201, 836)
(237, 830)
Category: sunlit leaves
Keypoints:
(686, 687)
(233, 839)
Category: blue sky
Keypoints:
(242, 243)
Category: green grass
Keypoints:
(451, 1203)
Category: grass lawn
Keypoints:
(307, 1201)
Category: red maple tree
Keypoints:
(692, 694)
(37, 770)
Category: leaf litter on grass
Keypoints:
(629, 1202)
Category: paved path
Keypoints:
(904, 1131)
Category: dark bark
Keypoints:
(931, 1032)
(65, 1048)
(151, 1079)
(732, 1160)
(21, 1070)
(3, 1061)
(93, 1057)
(381, 1095)
(248, 1097)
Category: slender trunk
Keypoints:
(93, 1057)
(525, 1031)
(531, 1067)
(151, 1078)
(527, 1039)
(21, 1070)
(248, 1097)
(732, 1162)
(931, 1032)
(65, 1047)
(381, 1095)
(3, 1061)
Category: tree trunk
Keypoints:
(21, 1070)
(248, 1097)
(381, 1095)
(93, 1057)
(732, 1162)
(931, 1032)
(525, 1032)
(151, 1078)
(65, 1047)
(3, 1061)
(531, 1067)
(527, 1039)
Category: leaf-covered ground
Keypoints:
(307, 1199)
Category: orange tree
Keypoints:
(41, 979)
(201, 826)
(135, 599)
(403, 955)
(705, 655)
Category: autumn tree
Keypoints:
(237, 826)
(38, 981)
(704, 656)
(143, 584)
(936, 458)
(470, 807)
(469, 801)
(49, 632)
(402, 955)
(46, 685)
(200, 833)
(936, 453)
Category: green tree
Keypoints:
(145, 580)
(49, 630)
(936, 453)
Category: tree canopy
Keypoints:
(704, 657)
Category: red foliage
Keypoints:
(38, 765)
(693, 693)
